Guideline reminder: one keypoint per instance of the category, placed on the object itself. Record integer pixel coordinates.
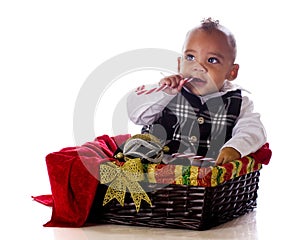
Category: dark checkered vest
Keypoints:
(203, 128)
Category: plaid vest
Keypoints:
(186, 123)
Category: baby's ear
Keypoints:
(178, 64)
(233, 72)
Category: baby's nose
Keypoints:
(199, 67)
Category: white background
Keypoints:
(49, 48)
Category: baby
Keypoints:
(200, 110)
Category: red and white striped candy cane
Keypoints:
(141, 90)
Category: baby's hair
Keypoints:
(209, 24)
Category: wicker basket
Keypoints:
(181, 206)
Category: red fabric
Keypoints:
(73, 174)
(44, 199)
(263, 155)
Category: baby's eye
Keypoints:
(213, 60)
(190, 57)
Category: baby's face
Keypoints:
(208, 58)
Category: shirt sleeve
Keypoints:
(249, 133)
(144, 109)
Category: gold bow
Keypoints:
(122, 177)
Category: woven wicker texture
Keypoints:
(179, 206)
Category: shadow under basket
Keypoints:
(181, 206)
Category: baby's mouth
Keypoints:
(197, 80)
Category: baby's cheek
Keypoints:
(184, 69)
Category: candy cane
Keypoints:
(141, 90)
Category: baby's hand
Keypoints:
(174, 83)
(227, 154)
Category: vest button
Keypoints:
(193, 139)
(200, 120)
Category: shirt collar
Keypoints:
(227, 87)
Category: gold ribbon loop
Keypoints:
(122, 177)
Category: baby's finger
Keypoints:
(164, 81)
(181, 83)
(175, 81)
(172, 81)
(219, 160)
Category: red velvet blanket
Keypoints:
(74, 177)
